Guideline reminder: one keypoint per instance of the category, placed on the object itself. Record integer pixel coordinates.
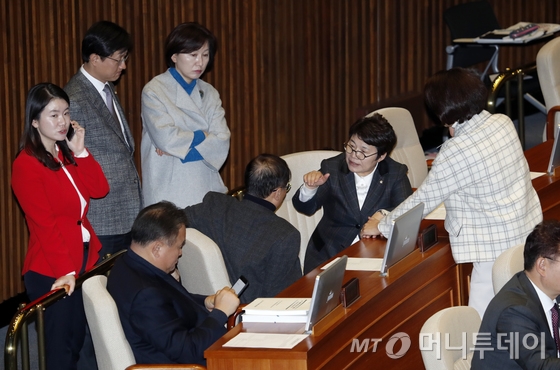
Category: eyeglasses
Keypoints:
(359, 154)
(287, 187)
(120, 61)
(552, 259)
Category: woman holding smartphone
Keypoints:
(53, 178)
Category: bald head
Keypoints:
(266, 173)
(160, 221)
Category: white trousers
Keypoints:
(481, 289)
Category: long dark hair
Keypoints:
(38, 97)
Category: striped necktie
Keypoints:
(109, 100)
(554, 311)
(111, 107)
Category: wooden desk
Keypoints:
(417, 287)
(547, 186)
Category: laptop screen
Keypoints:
(554, 156)
(326, 292)
(402, 239)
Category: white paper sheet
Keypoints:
(359, 264)
(437, 214)
(266, 340)
(534, 175)
(278, 306)
(544, 29)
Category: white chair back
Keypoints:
(408, 149)
(454, 322)
(509, 263)
(549, 77)
(549, 74)
(301, 163)
(202, 266)
(112, 350)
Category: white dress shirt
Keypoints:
(99, 86)
(362, 188)
(547, 305)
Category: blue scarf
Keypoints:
(187, 86)
(193, 155)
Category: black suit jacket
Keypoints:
(254, 241)
(161, 320)
(342, 217)
(517, 310)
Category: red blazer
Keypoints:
(52, 211)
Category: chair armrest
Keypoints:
(166, 367)
(234, 319)
(550, 121)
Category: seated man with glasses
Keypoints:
(254, 241)
(351, 187)
(519, 329)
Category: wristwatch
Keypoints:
(383, 213)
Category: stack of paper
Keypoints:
(502, 36)
(287, 310)
(359, 264)
(266, 340)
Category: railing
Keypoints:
(503, 80)
(18, 325)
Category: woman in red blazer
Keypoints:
(53, 178)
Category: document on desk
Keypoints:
(265, 340)
(534, 175)
(359, 264)
(278, 306)
(278, 319)
(437, 214)
(502, 36)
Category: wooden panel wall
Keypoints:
(291, 73)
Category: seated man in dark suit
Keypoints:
(161, 320)
(254, 241)
(519, 329)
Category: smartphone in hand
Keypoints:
(240, 285)
(70, 133)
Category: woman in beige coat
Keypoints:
(185, 139)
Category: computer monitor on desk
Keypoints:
(326, 292)
(403, 237)
(554, 161)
